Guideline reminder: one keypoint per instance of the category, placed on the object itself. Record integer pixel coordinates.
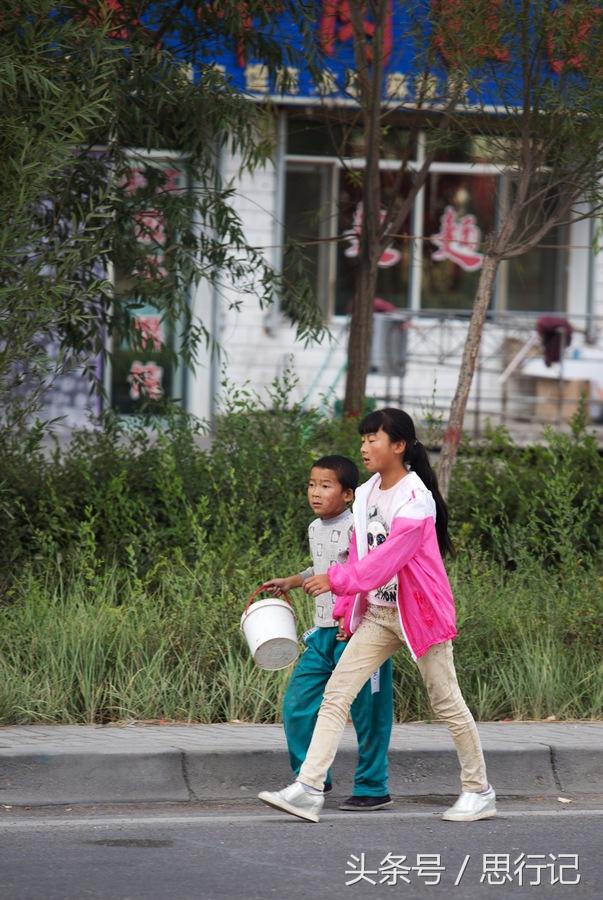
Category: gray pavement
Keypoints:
(139, 763)
(538, 848)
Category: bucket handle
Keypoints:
(285, 596)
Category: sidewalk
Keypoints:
(151, 763)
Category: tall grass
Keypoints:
(112, 647)
(126, 560)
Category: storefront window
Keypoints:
(308, 223)
(536, 280)
(459, 211)
(454, 214)
(469, 148)
(394, 263)
(313, 137)
(143, 372)
(343, 139)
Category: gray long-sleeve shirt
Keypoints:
(329, 544)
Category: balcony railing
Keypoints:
(416, 359)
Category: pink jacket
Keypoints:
(425, 601)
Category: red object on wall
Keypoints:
(556, 335)
(448, 38)
(336, 25)
(383, 306)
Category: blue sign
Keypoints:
(425, 45)
(418, 62)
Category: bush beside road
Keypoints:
(127, 559)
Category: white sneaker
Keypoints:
(471, 806)
(296, 800)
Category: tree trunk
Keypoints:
(454, 430)
(360, 339)
(370, 82)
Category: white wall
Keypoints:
(598, 289)
(258, 345)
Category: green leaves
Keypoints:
(85, 107)
(542, 502)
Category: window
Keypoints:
(459, 209)
(145, 374)
(394, 263)
(537, 280)
(453, 214)
(308, 227)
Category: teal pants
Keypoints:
(371, 711)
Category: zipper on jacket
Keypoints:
(410, 650)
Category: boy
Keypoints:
(331, 486)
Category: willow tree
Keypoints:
(88, 91)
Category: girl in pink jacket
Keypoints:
(393, 592)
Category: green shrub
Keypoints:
(127, 559)
(541, 502)
(132, 492)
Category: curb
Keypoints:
(234, 762)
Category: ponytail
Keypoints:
(416, 455)
(399, 426)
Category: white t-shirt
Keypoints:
(379, 523)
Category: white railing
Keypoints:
(417, 358)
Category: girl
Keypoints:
(393, 591)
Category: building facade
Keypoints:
(426, 286)
(309, 195)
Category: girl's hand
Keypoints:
(318, 584)
(341, 634)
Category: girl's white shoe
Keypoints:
(294, 799)
(471, 806)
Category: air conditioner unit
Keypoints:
(389, 345)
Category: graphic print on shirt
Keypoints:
(342, 555)
(377, 531)
(326, 543)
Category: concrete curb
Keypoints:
(132, 764)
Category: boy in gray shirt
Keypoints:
(331, 486)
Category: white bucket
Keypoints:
(269, 628)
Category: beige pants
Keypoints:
(376, 639)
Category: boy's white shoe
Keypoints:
(294, 799)
(471, 806)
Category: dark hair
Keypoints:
(399, 426)
(346, 470)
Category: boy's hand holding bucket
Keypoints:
(269, 629)
(279, 587)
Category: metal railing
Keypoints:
(511, 386)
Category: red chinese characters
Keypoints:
(388, 258)
(150, 331)
(149, 224)
(149, 228)
(457, 240)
